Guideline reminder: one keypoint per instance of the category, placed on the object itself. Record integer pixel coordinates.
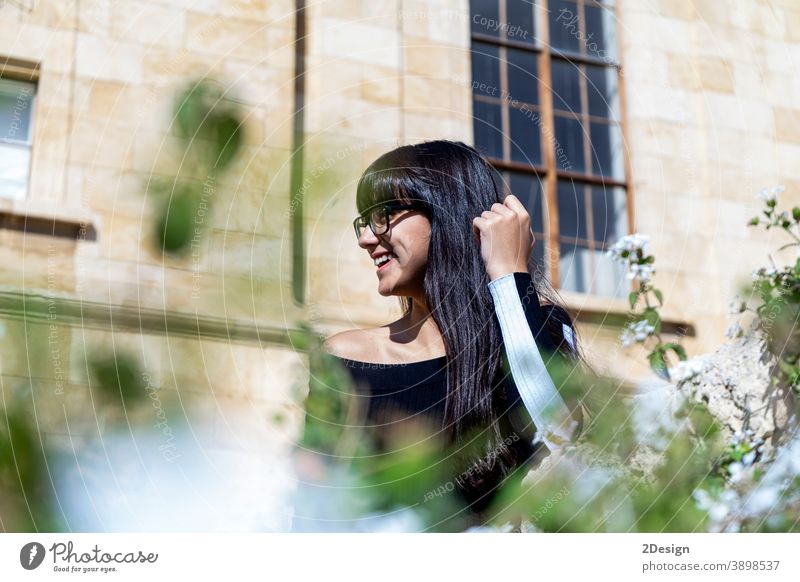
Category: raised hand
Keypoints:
(505, 237)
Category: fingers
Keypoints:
(510, 208)
(478, 223)
(514, 204)
(502, 209)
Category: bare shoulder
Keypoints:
(351, 344)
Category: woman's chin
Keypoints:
(386, 289)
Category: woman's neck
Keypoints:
(418, 328)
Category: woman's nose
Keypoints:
(367, 238)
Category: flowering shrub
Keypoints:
(744, 490)
(779, 292)
(631, 251)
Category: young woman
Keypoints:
(457, 253)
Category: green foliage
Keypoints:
(778, 290)
(210, 127)
(175, 226)
(26, 497)
(204, 112)
(591, 488)
(119, 378)
(645, 324)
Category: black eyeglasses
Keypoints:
(378, 217)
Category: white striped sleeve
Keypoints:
(547, 409)
(569, 335)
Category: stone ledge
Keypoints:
(613, 312)
(37, 308)
(34, 217)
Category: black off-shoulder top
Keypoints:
(396, 393)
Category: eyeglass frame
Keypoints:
(386, 208)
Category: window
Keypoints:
(546, 111)
(16, 116)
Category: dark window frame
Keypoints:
(548, 172)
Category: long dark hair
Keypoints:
(455, 183)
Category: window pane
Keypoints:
(485, 17)
(564, 26)
(488, 129)
(566, 86)
(528, 189)
(523, 76)
(571, 210)
(600, 33)
(14, 162)
(574, 267)
(520, 20)
(12, 189)
(485, 69)
(609, 278)
(569, 144)
(610, 214)
(16, 101)
(603, 89)
(607, 151)
(526, 144)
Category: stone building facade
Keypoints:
(710, 111)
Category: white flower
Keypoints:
(771, 194)
(722, 506)
(718, 511)
(654, 412)
(734, 330)
(641, 271)
(632, 244)
(762, 499)
(638, 331)
(735, 470)
(687, 369)
(749, 458)
(764, 272)
(642, 329)
(626, 338)
(702, 499)
(736, 306)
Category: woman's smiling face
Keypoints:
(406, 243)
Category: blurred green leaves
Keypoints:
(208, 120)
(22, 473)
(119, 378)
(210, 127)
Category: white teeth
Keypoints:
(383, 259)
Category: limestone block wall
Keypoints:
(108, 72)
(380, 75)
(713, 94)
